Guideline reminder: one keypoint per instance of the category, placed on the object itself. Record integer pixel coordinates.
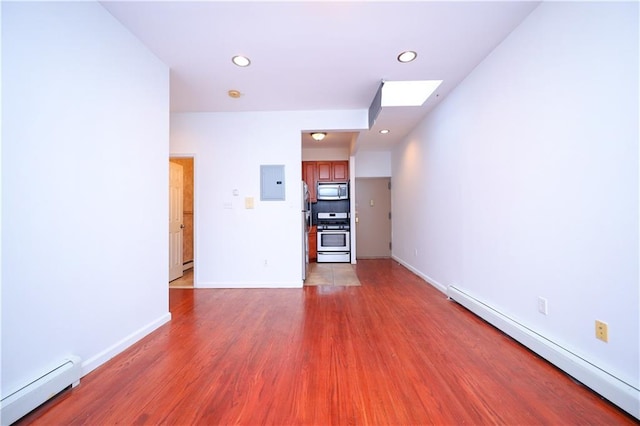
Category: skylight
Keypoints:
(407, 93)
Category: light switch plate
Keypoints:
(248, 202)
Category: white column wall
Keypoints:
(85, 127)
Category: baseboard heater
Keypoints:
(31, 396)
(612, 388)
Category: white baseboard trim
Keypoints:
(104, 356)
(427, 278)
(610, 387)
(187, 266)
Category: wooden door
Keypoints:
(175, 220)
(373, 212)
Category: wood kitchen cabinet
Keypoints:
(313, 244)
(309, 175)
(333, 171)
(340, 171)
(323, 171)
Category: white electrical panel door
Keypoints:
(272, 183)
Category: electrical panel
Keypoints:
(272, 183)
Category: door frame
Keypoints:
(356, 213)
(195, 204)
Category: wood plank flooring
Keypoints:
(391, 351)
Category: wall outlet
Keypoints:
(542, 306)
(602, 331)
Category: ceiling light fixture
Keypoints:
(384, 131)
(318, 136)
(241, 61)
(235, 94)
(407, 56)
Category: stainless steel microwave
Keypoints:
(333, 191)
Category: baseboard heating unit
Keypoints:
(31, 396)
(621, 393)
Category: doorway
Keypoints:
(373, 218)
(185, 278)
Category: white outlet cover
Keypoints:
(542, 306)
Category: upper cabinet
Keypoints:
(333, 171)
(323, 171)
(310, 176)
(340, 171)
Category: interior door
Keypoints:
(373, 213)
(176, 225)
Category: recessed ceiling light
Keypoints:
(407, 56)
(407, 93)
(235, 94)
(384, 131)
(318, 136)
(241, 61)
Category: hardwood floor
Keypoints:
(391, 351)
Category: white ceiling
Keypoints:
(317, 55)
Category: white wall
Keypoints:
(524, 182)
(325, 154)
(235, 246)
(373, 164)
(84, 188)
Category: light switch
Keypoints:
(248, 202)
(371, 203)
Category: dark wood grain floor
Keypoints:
(392, 351)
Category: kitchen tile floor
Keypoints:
(335, 274)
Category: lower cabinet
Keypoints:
(313, 244)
